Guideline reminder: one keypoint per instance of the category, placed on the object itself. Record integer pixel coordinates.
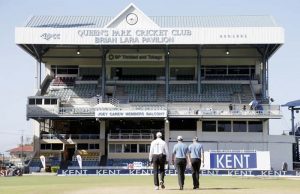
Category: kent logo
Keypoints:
(233, 160)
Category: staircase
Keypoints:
(246, 94)
(160, 93)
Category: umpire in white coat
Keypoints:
(158, 156)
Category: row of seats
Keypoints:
(125, 162)
(84, 163)
(90, 77)
(141, 92)
(63, 81)
(209, 92)
(79, 90)
(227, 77)
(137, 77)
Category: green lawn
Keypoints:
(143, 185)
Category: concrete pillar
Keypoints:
(102, 137)
(36, 136)
(199, 129)
(167, 131)
(266, 134)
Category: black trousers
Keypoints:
(180, 167)
(158, 161)
(196, 163)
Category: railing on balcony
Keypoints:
(70, 136)
(174, 109)
(126, 136)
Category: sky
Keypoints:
(17, 79)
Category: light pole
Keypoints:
(22, 158)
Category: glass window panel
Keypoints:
(255, 126)
(118, 148)
(239, 126)
(209, 126)
(39, 101)
(47, 101)
(31, 101)
(127, 148)
(133, 147)
(142, 148)
(111, 148)
(224, 126)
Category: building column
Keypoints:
(36, 136)
(265, 135)
(264, 79)
(38, 76)
(167, 70)
(199, 70)
(104, 52)
(102, 137)
(167, 131)
(199, 129)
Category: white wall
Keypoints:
(280, 146)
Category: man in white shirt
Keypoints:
(158, 156)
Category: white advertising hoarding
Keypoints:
(130, 113)
(247, 160)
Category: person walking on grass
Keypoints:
(158, 156)
(196, 154)
(179, 159)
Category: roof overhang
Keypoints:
(132, 27)
(149, 36)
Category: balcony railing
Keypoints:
(127, 136)
(174, 109)
(70, 136)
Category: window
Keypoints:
(94, 146)
(209, 126)
(45, 146)
(115, 148)
(31, 101)
(53, 101)
(82, 146)
(255, 126)
(239, 126)
(118, 148)
(38, 101)
(183, 124)
(144, 148)
(57, 146)
(50, 101)
(224, 126)
(130, 148)
(47, 101)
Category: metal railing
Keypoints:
(70, 136)
(184, 109)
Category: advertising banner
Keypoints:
(130, 113)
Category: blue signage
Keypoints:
(233, 160)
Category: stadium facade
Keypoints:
(110, 83)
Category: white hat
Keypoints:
(158, 134)
(179, 138)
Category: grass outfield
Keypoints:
(143, 185)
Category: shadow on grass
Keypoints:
(217, 188)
